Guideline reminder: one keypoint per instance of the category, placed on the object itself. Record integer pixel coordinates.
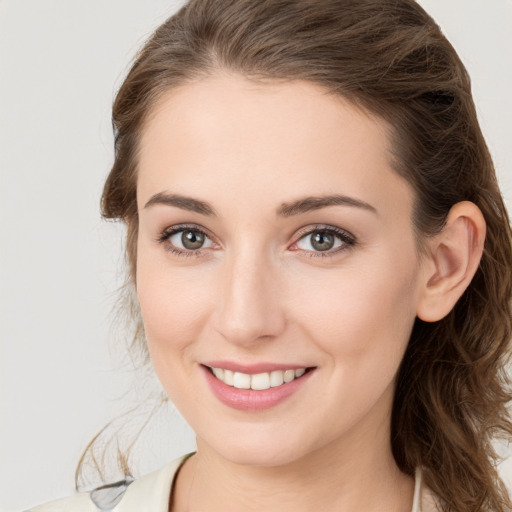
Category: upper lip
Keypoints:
(254, 368)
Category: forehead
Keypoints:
(271, 140)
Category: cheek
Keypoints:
(362, 315)
(362, 322)
(172, 302)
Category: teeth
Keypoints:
(228, 377)
(219, 373)
(289, 375)
(258, 381)
(241, 380)
(276, 378)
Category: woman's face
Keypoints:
(274, 236)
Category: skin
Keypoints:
(259, 292)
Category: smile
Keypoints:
(258, 381)
(254, 389)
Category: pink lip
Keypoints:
(250, 399)
(254, 368)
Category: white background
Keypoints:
(60, 64)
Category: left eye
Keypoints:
(190, 240)
(322, 240)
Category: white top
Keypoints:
(151, 493)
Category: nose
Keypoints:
(249, 309)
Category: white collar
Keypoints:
(418, 480)
(150, 493)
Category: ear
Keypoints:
(451, 262)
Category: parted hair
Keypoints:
(390, 59)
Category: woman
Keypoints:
(322, 260)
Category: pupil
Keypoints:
(192, 239)
(322, 241)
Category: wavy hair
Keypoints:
(389, 58)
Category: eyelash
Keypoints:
(347, 239)
(167, 233)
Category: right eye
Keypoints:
(183, 240)
(190, 239)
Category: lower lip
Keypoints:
(251, 399)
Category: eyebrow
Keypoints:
(304, 205)
(183, 202)
(308, 204)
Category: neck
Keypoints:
(355, 475)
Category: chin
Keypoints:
(257, 449)
(261, 457)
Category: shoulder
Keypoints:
(150, 492)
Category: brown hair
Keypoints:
(389, 58)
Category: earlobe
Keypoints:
(453, 260)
